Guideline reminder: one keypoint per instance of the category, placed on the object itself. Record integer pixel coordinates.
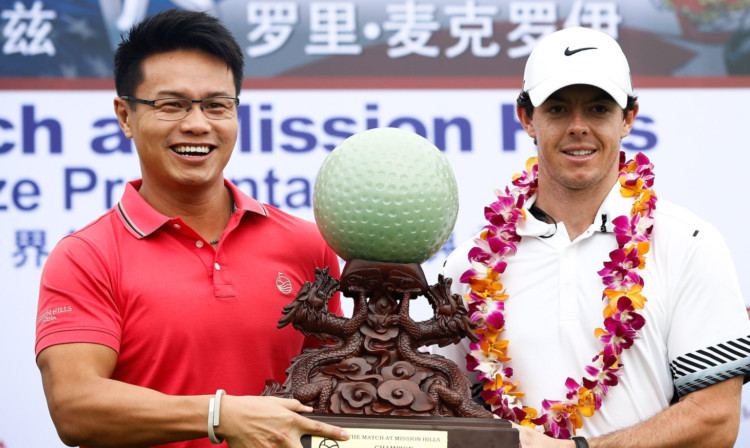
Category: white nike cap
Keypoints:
(577, 56)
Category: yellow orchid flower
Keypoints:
(530, 163)
(629, 191)
(643, 248)
(488, 286)
(492, 346)
(634, 295)
(640, 204)
(631, 167)
(576, 420)
(586, 402)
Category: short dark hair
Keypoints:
(172, 30)
(524, 101)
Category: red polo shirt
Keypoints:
(183, 318)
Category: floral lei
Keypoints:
(622, 289)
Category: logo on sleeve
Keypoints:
(52, 314)
(283, 283)
(569, 52)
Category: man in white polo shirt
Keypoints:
(606, 315)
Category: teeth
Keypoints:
(580, 153)
(191, 149)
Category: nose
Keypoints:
(195, 122)
(578, 124)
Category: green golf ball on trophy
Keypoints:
(387, 195)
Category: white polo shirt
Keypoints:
(697, 331)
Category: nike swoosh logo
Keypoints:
(569, 52)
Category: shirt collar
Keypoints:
(245, 202)
(614, 205)
(140, 219)
(532, 226)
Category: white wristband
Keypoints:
(214, 409)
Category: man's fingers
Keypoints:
(317, 428)
(310, 426)
(293, 405)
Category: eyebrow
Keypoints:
(176, 94)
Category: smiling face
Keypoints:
(578, 131)
(185, 154)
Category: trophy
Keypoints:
(386, 200)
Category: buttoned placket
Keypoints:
(568, 270)
(221, 272)
(219, 276)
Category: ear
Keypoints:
(526, 121)
(123, 112)
(627, 122)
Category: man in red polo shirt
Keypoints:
(160, 316)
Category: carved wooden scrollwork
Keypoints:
(373, 365)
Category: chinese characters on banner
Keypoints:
(357, 38)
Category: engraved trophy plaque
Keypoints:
(386, 200)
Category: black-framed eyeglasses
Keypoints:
(173, 109)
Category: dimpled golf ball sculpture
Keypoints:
(386, 195)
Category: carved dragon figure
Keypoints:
(309, 314)
(449, 324)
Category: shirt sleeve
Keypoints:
(75, 298)
(709, 337)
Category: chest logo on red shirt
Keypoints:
(284, 284)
